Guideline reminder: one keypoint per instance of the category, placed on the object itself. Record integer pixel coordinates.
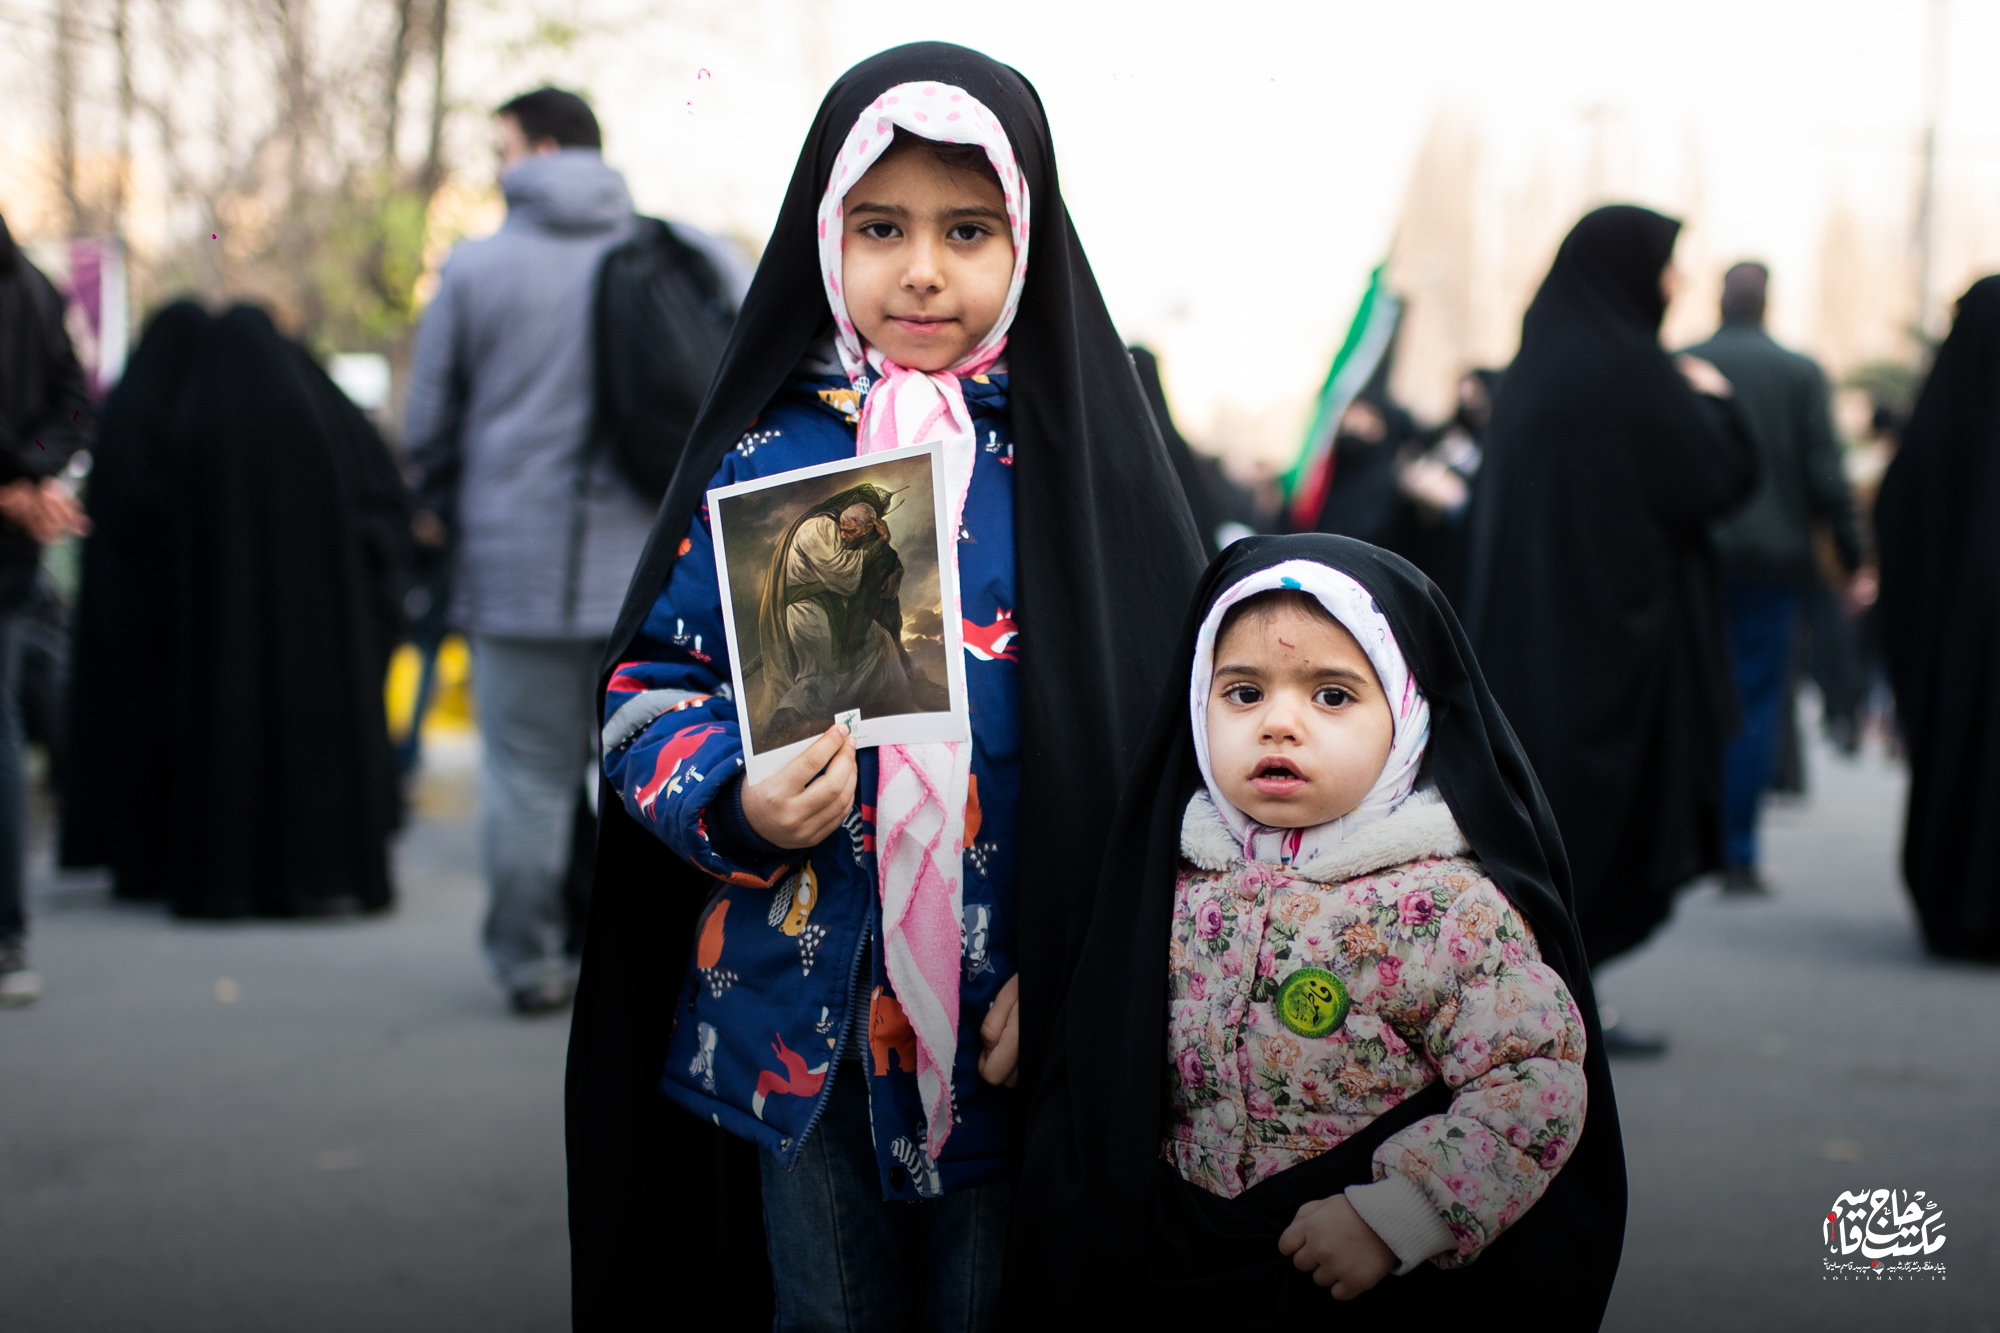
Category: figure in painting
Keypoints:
(831, 622)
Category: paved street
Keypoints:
(1815, 1050)
(361, 1139)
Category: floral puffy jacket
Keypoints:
(1301, 1008)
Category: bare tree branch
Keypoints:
(67, 40)
(122, 47)
(433, 172)
(269, 135)
(392, 81)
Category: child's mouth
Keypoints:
(1277, 777)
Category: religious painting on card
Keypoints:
(838, 605)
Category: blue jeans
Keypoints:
(1761, 616)
(842, 1259)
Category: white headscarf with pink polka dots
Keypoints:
(925, 407)
(921, 795)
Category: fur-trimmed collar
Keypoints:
(1420, 827)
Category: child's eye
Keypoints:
(1331, 696)
(880, 231)
(1243, 694)
(966, 232)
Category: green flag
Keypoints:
(1368, 339)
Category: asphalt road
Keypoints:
(268, 1127)
(363, 1139)
(1815, 1050)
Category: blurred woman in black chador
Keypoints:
(1364, 499)
(1440, 476)
(1406, 489)
(240, 600)
(1594, 604)
(1223, 510)
(1937, 524)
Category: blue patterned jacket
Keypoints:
(787, 986)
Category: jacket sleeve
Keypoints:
(434, 412)
(1509, 1042)
(63, 420)
(672, 747)
(1826, 480)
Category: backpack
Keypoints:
(661, 319)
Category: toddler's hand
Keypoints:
(1328, 1239)
(798, 805)
(1000, 1036)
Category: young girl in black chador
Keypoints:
(806, 1002)
(1331, 1025)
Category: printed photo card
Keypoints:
(838, 606)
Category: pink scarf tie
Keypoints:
(921, 794)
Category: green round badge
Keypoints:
(1312, 1002)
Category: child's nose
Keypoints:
(1281, 721)
(923, 273)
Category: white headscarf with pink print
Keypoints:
(921, 796)
(1353, 606)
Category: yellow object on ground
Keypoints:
(450, 707)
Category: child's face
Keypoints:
(1298, 726)
(926, 259)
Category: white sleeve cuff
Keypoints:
(1404, 1217)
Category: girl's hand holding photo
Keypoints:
(1329, 1240)
(799, 805)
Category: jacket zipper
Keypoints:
(839, 1046)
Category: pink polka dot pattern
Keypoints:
(924, 109)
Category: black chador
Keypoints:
(1218, 502)
(1105, 1234)
(241, 595)
(664, 1213)
(1938, 525)
(1595, 605)
(1364, 498)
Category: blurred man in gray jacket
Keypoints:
(545, 529)
(1767, 547)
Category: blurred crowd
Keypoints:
(1653, 553)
